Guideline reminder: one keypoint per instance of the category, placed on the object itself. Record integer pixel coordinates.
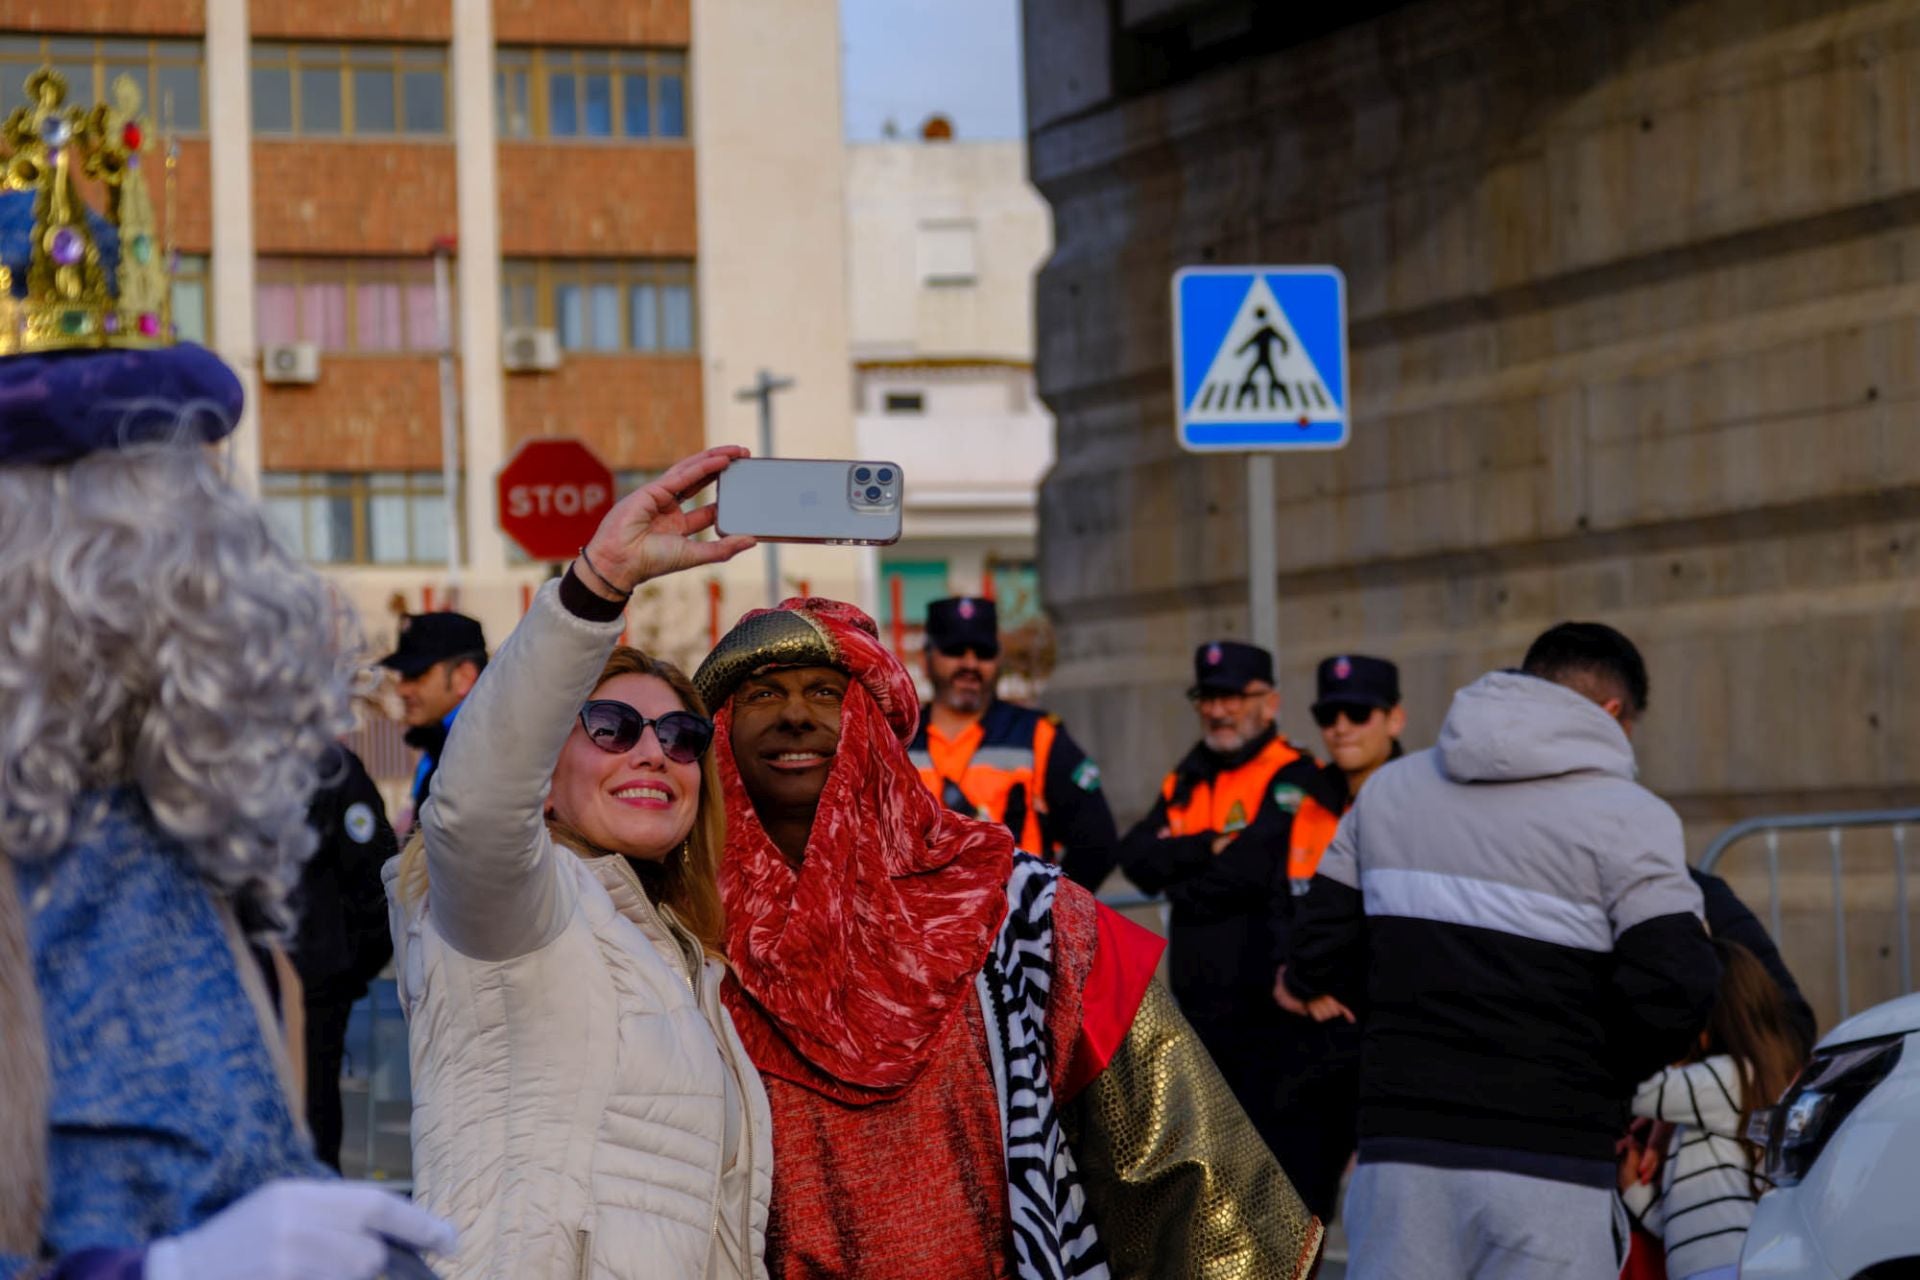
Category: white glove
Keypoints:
(298, 1229)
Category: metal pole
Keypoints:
(1839, 922)
(762, 390)
(449, 413)
(1900, 894)
(1773, 882)
(1263, 557)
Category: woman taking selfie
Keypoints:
(582, 1106)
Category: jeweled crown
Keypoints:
(71, 278)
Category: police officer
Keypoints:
(1006, 763)
(342, 942)
(1216, 843)
(438, 660)
(1317, 1071)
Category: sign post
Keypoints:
(553, 494)
(762, 390)
(1260, 367)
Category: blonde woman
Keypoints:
(583, 1107)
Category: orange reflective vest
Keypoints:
(1229, 800)
(1010, 772)
(1313, 828)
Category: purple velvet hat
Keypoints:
(60, 406)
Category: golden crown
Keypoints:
(90, 281)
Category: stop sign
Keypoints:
(552, 495)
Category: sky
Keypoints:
(906, 59)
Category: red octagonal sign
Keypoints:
(552, 496)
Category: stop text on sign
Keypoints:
(552, 495)
(524, 500)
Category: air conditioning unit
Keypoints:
(530, 350)
(290, 362)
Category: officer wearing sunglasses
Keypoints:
(1002, 762)
(1317, 1072)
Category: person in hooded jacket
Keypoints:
(1510, 915)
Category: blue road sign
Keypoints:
(1260, 358)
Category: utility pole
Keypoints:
(762, 390)
(1263, 558)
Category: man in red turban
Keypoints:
(973, 1071)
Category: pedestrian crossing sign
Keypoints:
(1260, 358)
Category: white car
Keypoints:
(1843, 1151)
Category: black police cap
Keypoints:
(427, 638)
(1354, 679)
(1228, 666)
(969, 622)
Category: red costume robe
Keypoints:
(859, 995)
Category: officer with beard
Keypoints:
(1216, 843)
(1006, 763)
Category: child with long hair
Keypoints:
(1709, 1181)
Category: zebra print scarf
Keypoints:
(1053, 1237)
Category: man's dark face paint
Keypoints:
(786, 728)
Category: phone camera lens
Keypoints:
(863, 474)
(873, 493)
(885, 476)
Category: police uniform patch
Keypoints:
(1288, 797)
(360, 823)
(1087, 776)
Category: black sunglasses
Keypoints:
(616, 727)
(984, 652)
(1325, 713)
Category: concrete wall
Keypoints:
(1635, 330)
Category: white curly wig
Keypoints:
(153, 635)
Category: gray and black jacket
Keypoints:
(1510, 915)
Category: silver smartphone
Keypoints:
(836, 503)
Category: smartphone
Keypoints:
(836, 503)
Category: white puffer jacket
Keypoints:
(575, 1077)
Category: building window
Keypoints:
(906, 402)
(331, 91)
(591, 94)
(916, 584)
(602, 306)
(348, 304)
(190, 293)
(170, 73)
(358, 517)
(945, 248)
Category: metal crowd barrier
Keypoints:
(377, 1091)
(1769, 829)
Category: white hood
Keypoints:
(1508, 727)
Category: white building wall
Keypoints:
(943, 240)
(773, 276)
(904, 199)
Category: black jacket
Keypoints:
(1728, 918)
(342, 940)
(1225, 907)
